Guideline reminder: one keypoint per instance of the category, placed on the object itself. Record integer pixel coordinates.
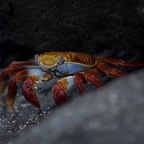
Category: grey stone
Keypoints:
(112, 115)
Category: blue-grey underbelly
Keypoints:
(70, 68)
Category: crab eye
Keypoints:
(36, 58)
(60, 60)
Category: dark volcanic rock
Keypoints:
(84, 25)
(114, 115)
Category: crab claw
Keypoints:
(29, 84)
(59, 89)
(59, 94)
(29, 94)
(29, 78)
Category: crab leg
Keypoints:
(112, 72)
(13, 68)
(12, 87)
(30, 77)
(79, 79)
(109, 70)
(93, 76)
(59, 89)
(12, 90)
(3, 82)
(120, 62)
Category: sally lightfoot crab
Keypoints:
(74, 69)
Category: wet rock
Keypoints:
(112, 115)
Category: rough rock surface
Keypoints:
(114, 115)
(84, 25)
